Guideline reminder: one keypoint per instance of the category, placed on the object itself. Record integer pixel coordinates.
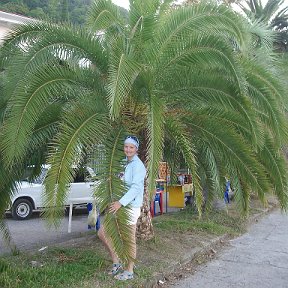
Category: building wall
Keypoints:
(3, 31)
(8, 20)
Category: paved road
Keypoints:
(34, 233)
(256, 259)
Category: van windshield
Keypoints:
(36, 180)
(40, 178)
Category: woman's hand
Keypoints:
(114, 207)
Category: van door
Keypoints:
(81, 188)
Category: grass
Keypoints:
(58, 267)
(216, 223)
(54, 268)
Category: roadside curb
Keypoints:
(189, 257)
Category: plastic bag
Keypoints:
(92, 217)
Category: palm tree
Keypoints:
(270, 14)
(188, 79)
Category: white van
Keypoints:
(29, 195)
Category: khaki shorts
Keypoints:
(134, 215)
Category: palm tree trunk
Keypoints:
(145, 229)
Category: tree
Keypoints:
(183, 79)
(64, 11)
(270, 14)
(57, 11)
(15, 8)
(37, 13)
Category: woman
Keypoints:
(134, 176)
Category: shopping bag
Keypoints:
(92, 216)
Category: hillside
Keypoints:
(55, 10)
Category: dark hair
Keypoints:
(133, 138)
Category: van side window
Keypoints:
(79, 176)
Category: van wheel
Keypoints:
(22, 209)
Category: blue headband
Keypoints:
(132, 140)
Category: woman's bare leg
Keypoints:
(130, 265)
(106, 241)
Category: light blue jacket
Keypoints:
(134, 176)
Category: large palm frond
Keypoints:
(42, 41)
(82, 126)
(123, 71)
(104, 15)
(271, 14)
(231, 151)
(28, 103)
(110, 189)
(275, 166)
(155, 137)
(177, 133)
(210, 171)
(205, 19)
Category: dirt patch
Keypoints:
(200, 258)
